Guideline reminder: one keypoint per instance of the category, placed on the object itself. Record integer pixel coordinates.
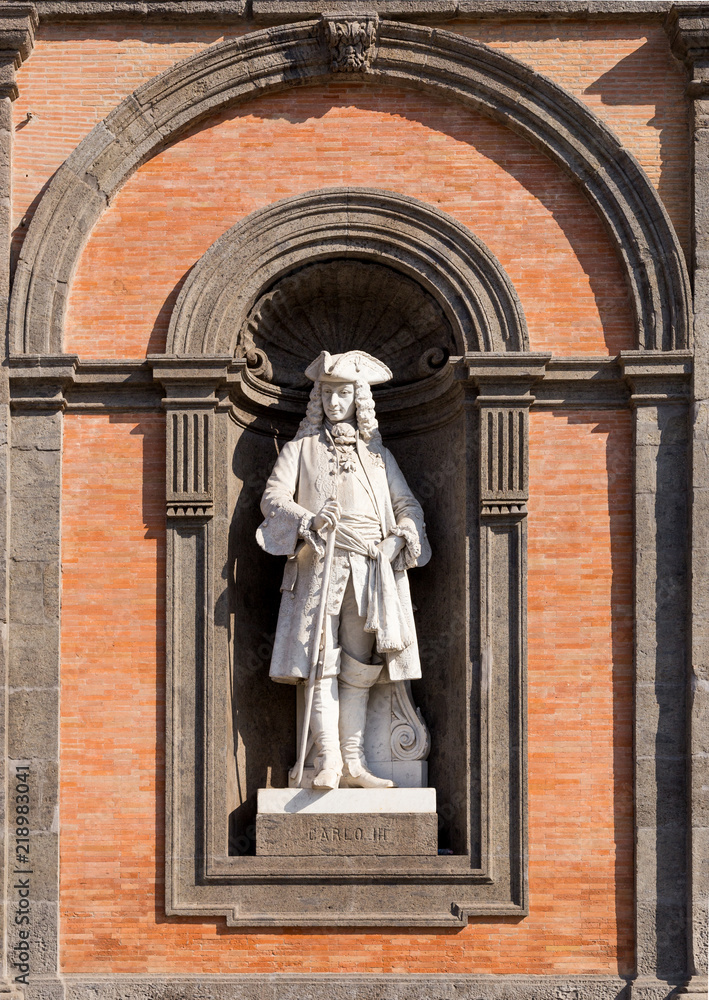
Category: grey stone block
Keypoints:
(37, 432)
(354, 986)
(28, 590)
(375, 834)
(34, 655)
(47, 987)
(33, 727)
(660, 712)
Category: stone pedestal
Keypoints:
(301, 822)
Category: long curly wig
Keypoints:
(364, 408)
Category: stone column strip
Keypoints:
(17, 27)
(33, 677)
(660, 513)
(503, 401)
(688, 30)
(190, 403)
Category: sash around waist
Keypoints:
(355, 532)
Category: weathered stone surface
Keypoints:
(333, 834)
(278, 11)
(356, 986)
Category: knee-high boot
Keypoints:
(355, 681)
(324, 725)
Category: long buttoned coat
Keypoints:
(300, 484)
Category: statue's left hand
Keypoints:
(391, 546)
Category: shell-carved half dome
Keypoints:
(341, 305)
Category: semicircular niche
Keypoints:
(341, 305)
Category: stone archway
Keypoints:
(445, 260)
(233, 71)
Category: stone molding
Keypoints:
(18, 22)
(280, 11)
(232, 71)
(77, 385)
(443, 256)
(687, 27)
(356, 986)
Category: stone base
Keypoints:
(347, 821)
(404, 773)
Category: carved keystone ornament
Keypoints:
(351, 41)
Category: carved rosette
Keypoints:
(351, 41)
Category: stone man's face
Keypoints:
(338, 400)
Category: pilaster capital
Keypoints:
(687, 27)
(18, 22)
(502, 379)
(657, 377)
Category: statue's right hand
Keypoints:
(328, 516)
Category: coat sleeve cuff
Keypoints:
(308, 534)
(411, 552)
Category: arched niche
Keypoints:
(340, 269)
(444, 63)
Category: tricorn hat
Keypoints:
(352, 366)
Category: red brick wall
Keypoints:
(557, 254)
(529, 213)
(580, 824)
(624, 72)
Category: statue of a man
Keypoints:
(336, 475)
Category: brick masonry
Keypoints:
(580, 762)
(554, 248)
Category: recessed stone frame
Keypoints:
(217, 695)
(443, 63)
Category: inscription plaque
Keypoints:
(315, 835)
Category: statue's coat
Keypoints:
(301, 482)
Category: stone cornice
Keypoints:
(18, 22)
(545, 381)
(281, 11)
(687, 27)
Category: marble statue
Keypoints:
(338, 506)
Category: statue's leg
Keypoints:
(357, 675)
(324, 719)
